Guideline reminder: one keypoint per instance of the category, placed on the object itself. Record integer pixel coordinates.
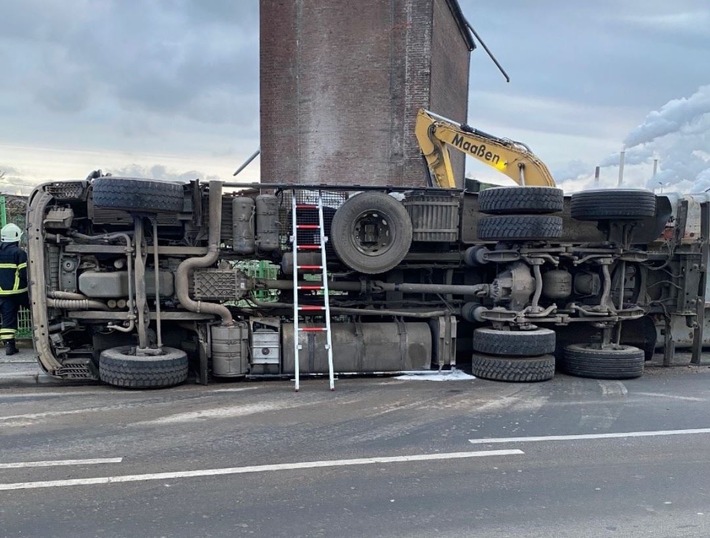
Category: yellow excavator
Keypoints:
(437, 134)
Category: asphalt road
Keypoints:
(377, 457)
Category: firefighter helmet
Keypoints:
(10, 233)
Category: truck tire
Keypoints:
(514, 343)
(140, 195)
(519, 228)
(514, 200)
(614, 362)
(121, 367)
(513, 369)
(365, 213)
(613, 204)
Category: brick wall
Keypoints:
(450, 60)
(341, 82)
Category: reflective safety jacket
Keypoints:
(13, 269)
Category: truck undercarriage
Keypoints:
(137, 282)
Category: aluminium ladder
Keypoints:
(317, 245)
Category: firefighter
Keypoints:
(13, 284)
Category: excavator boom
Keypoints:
(437, 134)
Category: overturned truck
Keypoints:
(139, 283)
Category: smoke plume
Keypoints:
(678, 135)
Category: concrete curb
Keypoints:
(22, 370)
(23, 374)
(17, 379)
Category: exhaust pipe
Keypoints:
(184, 270)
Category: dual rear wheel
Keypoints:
(513, 355)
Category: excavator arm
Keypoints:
(437, 134)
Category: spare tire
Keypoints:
(519, 228)
(613, 204)
(513, 200)
(371, 232)
(140, 195)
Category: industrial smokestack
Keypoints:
(596, 176)
(622, 155)
(655, 167)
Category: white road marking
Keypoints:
(671, 396)
(47, 414)
(253, 469)
(659, 433)
(48, 394)
(54, 463)
(235, 389)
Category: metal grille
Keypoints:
(66, 189)
(219, 284)
(332, 200)
(24, 324)
(434, 218)
(80, 368)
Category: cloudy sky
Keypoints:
(169, 88)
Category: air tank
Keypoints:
(243, 235)
(267, 222)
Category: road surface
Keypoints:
(377, 457)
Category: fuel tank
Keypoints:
(360, 348)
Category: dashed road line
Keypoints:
(671, 396)
(658, 433)
(54, 463)
(254, 469)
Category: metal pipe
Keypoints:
(379, 286)
(538, 286)
(141, 297)
(185, 268)
(263, 283)
(69, 304)
(129, 328)
(477, 289)
(366, 311)
(157, 283)
(70, 295)
(246, 163)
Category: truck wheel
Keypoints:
(613, 204)
(519, 228)
(131, 194)
(513, 369)
(514, 200)
(613, 362)
(514, 343)
(371, 232)
(120, 366)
